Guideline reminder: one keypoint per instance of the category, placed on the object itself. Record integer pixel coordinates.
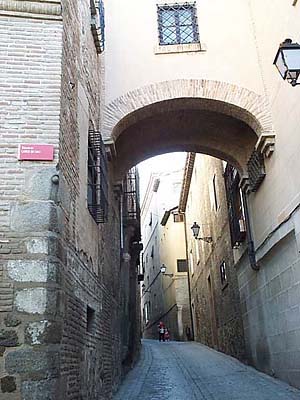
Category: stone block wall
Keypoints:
(60, 292)
(270, 305)
(215, 304)
(30, 314)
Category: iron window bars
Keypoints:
(256, 170)
(177, 23)
(235, 207)
(97, 191)
(131, 195)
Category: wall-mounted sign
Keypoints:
(36, 152)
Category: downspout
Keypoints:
(250, 243)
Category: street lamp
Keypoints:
(163, 270)
(196, 228)
(287, 61)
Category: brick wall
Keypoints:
(60, 289)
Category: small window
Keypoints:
(177, 24)
(192, 263)
(152, 252)
(150, 219)
(90, 320)
(215, 193)
(97, 187)
(181, 266)
(178, 217)
(223, 273)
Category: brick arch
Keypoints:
(221, 97)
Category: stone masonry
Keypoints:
(60, 292)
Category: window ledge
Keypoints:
(180, 48)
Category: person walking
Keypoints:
(161, 331)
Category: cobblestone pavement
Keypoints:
(190, 371)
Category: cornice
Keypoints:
(36, 9)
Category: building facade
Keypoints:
(217, 316)
(198, 87)
(64, 241)
(165, 295)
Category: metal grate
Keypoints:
(131, 196)
(177, 23)
(235, 207)
(97, 178)
(256, 170)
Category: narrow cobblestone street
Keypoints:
(179, 371)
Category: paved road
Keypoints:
(190, 371)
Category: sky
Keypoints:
(162, 163)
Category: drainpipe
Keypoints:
(188, 276)
(250, 243)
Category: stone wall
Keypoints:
(215, 304)
(60, 289)
(270, 302)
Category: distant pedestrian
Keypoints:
(188, 333)
(167, 334)
(161, 331)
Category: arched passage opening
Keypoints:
(215, 118)
(190, 125)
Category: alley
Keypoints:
(179, 371)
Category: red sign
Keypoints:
(41, 152)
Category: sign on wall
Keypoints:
(36, 152)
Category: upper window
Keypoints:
(181, 266)
(177, 23)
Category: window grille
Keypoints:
(181, 266)
(177, 23)
(235, 206)
(131, 196)
(97, 191)
(256, 170)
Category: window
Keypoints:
(223, 273)
(177, 23)
(181, 266)
(215, 193)
(97, 185)
(178, 217)
(90, 320)
(235, 206)
(192, 263)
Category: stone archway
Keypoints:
(211, 117)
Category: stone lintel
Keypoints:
(266, 144)
(34, 9)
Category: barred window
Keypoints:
(97, 188)
(182, 266)
(177, 23)
(235, 206)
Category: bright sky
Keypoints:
(164, 163)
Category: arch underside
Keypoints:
(185, 125)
